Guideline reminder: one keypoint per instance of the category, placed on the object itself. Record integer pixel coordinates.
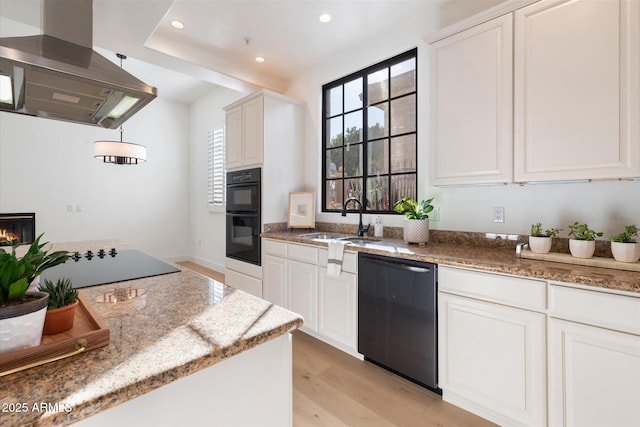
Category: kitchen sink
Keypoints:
(360, 241)
(323, 236)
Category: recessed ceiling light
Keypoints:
(178, 25)
(259, 59)
(324, 18)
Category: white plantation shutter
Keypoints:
(217, 171)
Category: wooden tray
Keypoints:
(590, 262)
(88, 332)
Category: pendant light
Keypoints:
(120, 152)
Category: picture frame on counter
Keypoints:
(302, 209)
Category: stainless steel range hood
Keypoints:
(57, 75)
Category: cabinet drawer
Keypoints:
(273, 247)
(349, 260)
(593, 307)
(302, 253)
(503, 289)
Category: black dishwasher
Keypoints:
(397, 316)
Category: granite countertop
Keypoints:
(186, 323)
(490, 259)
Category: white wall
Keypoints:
(605, 206)
(206, 229)
(46, 165)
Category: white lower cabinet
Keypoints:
(594, 377)
(492, 357)
(337, 306)
(302, 292)
(295, 277)
(594, 358)
(275, 280)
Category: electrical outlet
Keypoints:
(435, 214)
(498, 214)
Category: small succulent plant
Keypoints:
(60, 293)
(627, 235)
(536, 231)
(583, 232)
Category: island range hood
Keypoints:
(57, 75)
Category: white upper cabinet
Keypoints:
(471, 105)
(576, 90)
(245, 124)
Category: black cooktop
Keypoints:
(108, 266)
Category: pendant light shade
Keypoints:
(119, 152)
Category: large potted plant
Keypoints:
(582, 240)
(22, 313)
(540, 241)
(61, 309)
(624, 247)
(416, 223)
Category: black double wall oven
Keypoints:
(243, 215)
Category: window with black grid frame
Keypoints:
(369, 136)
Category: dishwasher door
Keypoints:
(397, 317)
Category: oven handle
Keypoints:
(243, 213)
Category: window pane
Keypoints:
(334, 98)
(403, 78)
(353, 127)
(378, 157)
(334, 194)
(378, 193)
(401, 186)
(353, 95)
(378, 86)
(334, 132)
(353, 188)
(378, 118)
(353, 160)
(403, 154)
(334, 163)
(371, 154)
(403, 115)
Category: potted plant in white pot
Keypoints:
(582, 240)
(624, 247)
(416, 223)
(540, 241)
(22, 313)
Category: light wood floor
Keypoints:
(331, 388)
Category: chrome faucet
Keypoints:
(361, 228)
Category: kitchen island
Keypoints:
(192, 351)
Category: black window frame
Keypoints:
(364, 73)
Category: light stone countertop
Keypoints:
(491, 259)
(187, 323)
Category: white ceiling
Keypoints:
(211, 49)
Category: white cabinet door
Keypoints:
(233, 135)
(253, 129)
(492, 360)
(577, 90)
(337, 305)
(471, 105)
(302, 292)
(275, 280)
(594, 376)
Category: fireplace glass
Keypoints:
(17, 228)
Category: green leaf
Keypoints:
(17, 289)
